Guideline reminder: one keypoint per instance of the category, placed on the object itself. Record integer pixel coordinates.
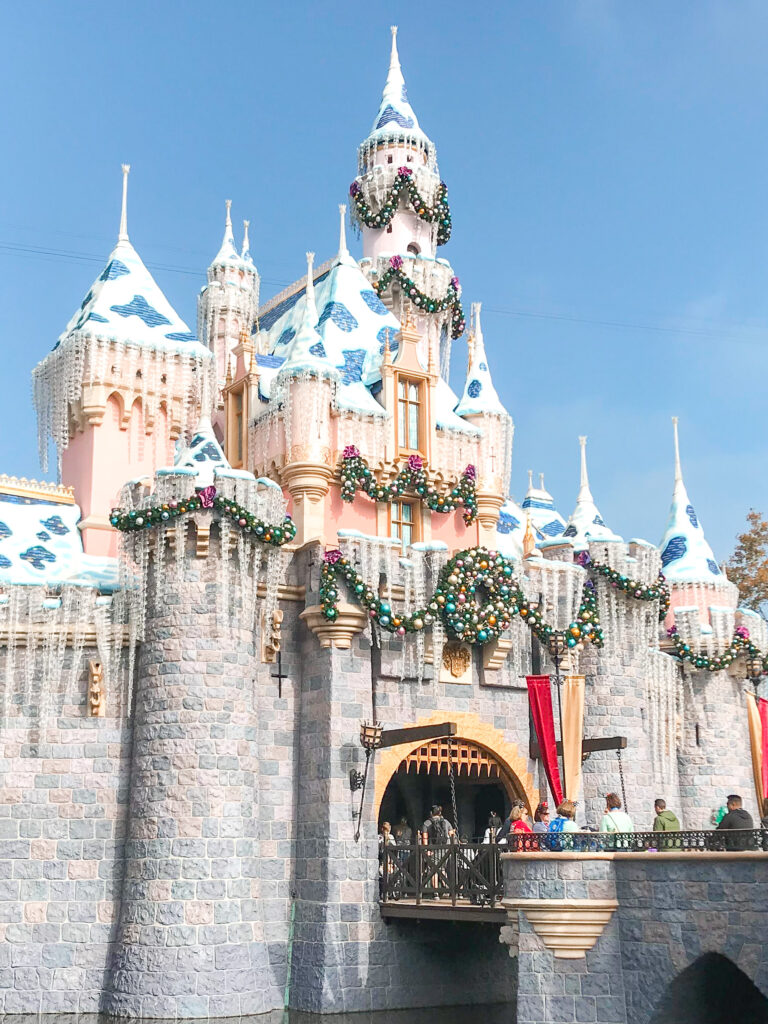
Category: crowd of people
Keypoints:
(437, 830)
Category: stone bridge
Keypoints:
(635, 938)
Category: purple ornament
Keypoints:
(470, 472)
(206, 496)
(672, 630)
(743, 632)
(583, 559)
(351, 452)
(415, 462)
(405, 170)
(355, 189)
(455, 283)
(396, 262)
(332, 557)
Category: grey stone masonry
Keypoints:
(191, 934)
(63, 801)
(672, 909)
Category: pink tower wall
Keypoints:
(101, 458)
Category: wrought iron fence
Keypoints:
(704, 841)
(452, 872)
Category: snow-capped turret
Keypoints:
(540, 504)
(686, 556)
(480, 396)
(586, 523)
(227, 307)
(306, 353)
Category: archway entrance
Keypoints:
(712, 990)
(483, 784)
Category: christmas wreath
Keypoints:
(440, 211)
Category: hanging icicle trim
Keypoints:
(424, 302)
(634, 588)
(202, 500)
(740, 646)
(476, 598)
(439, 211)
(356, 475)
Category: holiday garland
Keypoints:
(739, 645)
(640, 591)
(440, 211)
(476, 598)
(356, 475)
(204, 498)
(450, 300)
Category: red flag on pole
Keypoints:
(540, 699)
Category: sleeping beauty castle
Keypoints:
(279, 530)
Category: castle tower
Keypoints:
(539, 504)
(481, 406)
(190, 941)
(401, 207)
(227, 307)
(123, 382)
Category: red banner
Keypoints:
(762, 706)
(540, 699)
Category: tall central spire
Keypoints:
(584, 492)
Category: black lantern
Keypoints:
(370, 740)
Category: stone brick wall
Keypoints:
(671, 910)
(63, 803)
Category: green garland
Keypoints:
(440, 211)
(450, 300)
(640, 591)
(476, 573)
(356, 475)
(205, 498)
(739, 645)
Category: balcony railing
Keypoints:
(454, 872)
(704, 841)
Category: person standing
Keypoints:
(515, 823)
(403, 832)
(437, 830)
(494, 822)
(739, 821)
(614, 819)
(665, 821)
(541, 818)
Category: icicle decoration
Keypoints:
(80, 361)
(665, 706)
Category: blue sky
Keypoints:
(606, 164)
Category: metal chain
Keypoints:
(621, 779)
(453, 787)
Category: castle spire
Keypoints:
(586, 523)
(123, 234)
(686, 556)
(343, 250)
(306, 352)
(228, 252)
(395, 114)
(480, 396)
(245, 253)
(540, 505)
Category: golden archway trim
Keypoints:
(471, 731)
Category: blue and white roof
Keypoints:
(686, 557)
(586, 523)
(480, 396)
(125, 304)
(41, 544)
(510, 529)
(228, 256)
(203, 457)
(395, 115)
(540, 505)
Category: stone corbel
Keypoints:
(339, 633)
(495, 654)
(569, 928)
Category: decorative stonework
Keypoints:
(568, 927)
(495, 654)
(338, 633)
(97, 697)
(457, 663)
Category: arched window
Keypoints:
(413, 248)
(136, 433)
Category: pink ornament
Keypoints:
(743, 632)
(396, 262)
(332, 557)
(351, 452)
(405, 170)
(415, 462)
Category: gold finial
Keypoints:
(529, 540)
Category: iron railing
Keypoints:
(452, 872)
(703, 841)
